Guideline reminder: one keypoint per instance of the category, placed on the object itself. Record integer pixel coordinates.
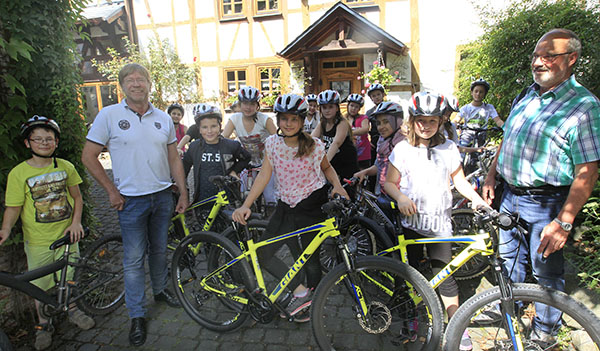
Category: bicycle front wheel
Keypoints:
(403, 311)
(99, 276)
(218, 303)
(578, 329)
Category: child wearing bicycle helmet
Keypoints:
(476, 114)
(448, 128)
(390, 118)
(335, 131)
(252, 129)
(360, 129)
(423, 166)
(43, 191)
(312, 116)
(212, 154)
(176, 112)
(191, 134)
(376, 93)
(301, 167)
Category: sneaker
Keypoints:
(297, 303)
(542, 338)
(43, 337)
(490, 315)
(302, 316)
(80, 319)
(465, 342)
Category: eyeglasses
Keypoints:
(548, 58)
(135, 80)
(43, 140)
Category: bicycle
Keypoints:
(476, 177)
(97, 286)
(516, 306)
(219, 216)
(514, 329)
(220, 286)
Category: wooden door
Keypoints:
(339, 73)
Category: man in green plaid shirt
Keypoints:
(548, 162)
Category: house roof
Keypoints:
(340, 16)
(107, 11)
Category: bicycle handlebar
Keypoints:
(480, 130)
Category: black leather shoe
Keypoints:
(167, 297)
(137, 334)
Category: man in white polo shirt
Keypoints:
(142, 144)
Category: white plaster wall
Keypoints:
(205, 8)
(294, 28)
(240, 47)
(184, 43)
(373, 17)
(161, 11)
(210, 82)
(269, 40)
(397, 20)
(144, 38)
(207, 42)
(182, 11)
(140, 13)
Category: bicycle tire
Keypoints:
(101, 270)
(462, 224)
(219, 314)
(255, 226)
(580, 324)
(5, 344)
(334, 317)
(364, 238)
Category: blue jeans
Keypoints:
(537, 211)
(144, 222)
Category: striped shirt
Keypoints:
(546, 136)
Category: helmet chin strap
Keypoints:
(46, 156)
(288, 136)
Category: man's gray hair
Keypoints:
(130, 68)
(574, 43)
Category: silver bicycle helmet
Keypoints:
(375, 86)
(202, 111)
(394, 110)
(426, 104)
(452, 103)
(248, 94)
(357, 99)
(328, 97)
(481, 82)
(175, 106)
(39, 121)
(310, 97)
(291, 103)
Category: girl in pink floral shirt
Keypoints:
(299, 163)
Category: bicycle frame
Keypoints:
(326, 229)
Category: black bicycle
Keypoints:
(97, 286)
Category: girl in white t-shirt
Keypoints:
(252, 129)
(298, 162)
(424, 164)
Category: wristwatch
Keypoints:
(564, 225)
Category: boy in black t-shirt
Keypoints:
(212, 154)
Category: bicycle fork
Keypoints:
(507, 306)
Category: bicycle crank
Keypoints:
(261, 308)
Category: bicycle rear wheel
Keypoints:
(578, 328)
(364, 238)
(99, 277)
(218, 303)
(404, 312)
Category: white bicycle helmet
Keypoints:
(39, 121)
(310, 97)
(427, 104)
(452, 103)
(357, 99)
(375, 86)
(202, 111)
(291, 103)
(328, 97)
(248, 94)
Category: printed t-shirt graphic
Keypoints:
(49, 194)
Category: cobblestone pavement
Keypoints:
(170, 329)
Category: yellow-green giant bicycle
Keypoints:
(371, 298)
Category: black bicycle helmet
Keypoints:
(375, 86)
(39, 121)
(426, 104)
(310, 97)
(291, 103)
(248, 94)
(202, 111)
(481, 82)
(394, 110)
(328, 97)
(357, 99)
(175, 106)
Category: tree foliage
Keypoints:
(502, 54)
(172, 81)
